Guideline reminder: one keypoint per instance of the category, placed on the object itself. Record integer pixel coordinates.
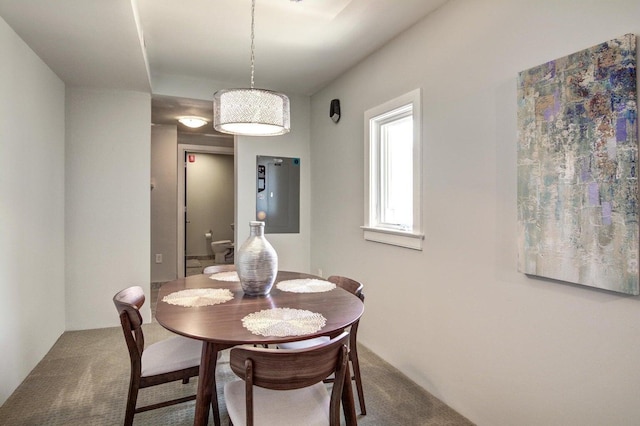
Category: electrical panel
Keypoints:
(278, 194)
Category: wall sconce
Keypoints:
(334, 110)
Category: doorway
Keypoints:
(206, 203)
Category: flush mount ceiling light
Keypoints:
(251, 112)
(192, 121)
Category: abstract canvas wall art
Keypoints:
(577, 168)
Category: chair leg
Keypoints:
(132, 399)
(353, 354)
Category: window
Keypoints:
(393, 175)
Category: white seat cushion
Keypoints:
(302, 344)
(307, 406)
(211, 269)
(171, 354)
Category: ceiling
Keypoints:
(300, 46)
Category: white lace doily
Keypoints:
(305, 285)
(198, 297)
(281, 322)
(225, 276)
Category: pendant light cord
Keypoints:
(253, 56)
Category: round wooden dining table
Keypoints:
(220, 326)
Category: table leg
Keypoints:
(207, 393)
(348, 404)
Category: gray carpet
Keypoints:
(84, 379)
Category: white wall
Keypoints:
(31, 209)
(457, 317)
(293, 249)
(107, 202)
(164, 202)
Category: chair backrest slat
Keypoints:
(352, 286)
(128, 303)
(283, 369)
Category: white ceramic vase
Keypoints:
(256, 262)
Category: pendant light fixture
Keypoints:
(251, 112)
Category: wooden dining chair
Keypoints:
(285, 386)
(214, 269)
(176, 358)
(354, 287)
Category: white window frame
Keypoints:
(373, 229)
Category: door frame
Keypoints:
(182, 169)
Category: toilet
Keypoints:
(222, 251)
